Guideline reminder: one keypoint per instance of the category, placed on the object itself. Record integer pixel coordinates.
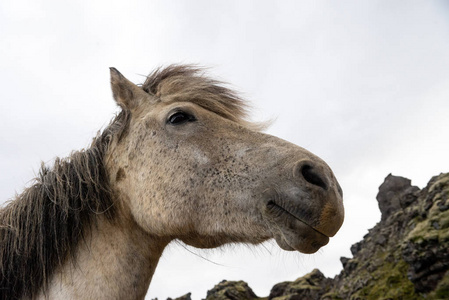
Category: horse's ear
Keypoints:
(126, 94)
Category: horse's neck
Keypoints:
(111, 263)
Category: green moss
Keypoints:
(444, 236)
(434, 211)
(425, 230)
(441, 184)
(443, 219)
(391, 283)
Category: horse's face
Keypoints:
(184, 172)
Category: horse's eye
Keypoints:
(180, 117)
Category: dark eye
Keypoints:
(180, 117)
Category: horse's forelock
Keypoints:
(186, 83)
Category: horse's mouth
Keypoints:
(291, 233)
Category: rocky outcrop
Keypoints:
(310, 286)
(235, 290)
(395, 194)
(405, 256)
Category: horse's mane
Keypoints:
(42, 226)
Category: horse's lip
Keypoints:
(271, 204)
(291, 232)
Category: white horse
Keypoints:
(178, 162)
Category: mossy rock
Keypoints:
(390, 282)
(231, 290)
(310, 286)
(441, 184)
(185, 297)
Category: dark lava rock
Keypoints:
(356, 248)
(395, 193)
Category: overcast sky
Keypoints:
(364, 85)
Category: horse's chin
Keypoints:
(291, 233)
(302, 238)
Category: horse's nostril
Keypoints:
(312, 176)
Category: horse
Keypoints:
(178, 162)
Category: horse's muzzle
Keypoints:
(307, 211)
